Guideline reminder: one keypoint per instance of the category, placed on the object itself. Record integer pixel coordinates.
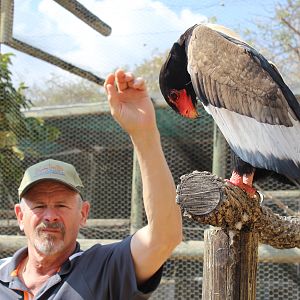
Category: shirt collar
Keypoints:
(11, 264)
(68, 264)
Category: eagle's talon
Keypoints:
(245, 187)
(261, 197)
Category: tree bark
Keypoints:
(207, 199)
(230, 264)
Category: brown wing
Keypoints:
(228, 73)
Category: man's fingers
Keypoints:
(139, 83)
(110, 80)
(119, 82)
(130, 79)
(122, 83)
(112, 93)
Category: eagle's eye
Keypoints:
(174, 95)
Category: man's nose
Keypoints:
(50, 214)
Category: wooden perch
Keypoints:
(207, 199)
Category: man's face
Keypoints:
(51, 214)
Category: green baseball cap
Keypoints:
(51, 169)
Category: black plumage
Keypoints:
(245, 94)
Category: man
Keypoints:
(51, 212)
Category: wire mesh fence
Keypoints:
(103, 156)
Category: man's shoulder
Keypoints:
(106, 250)
(111, 246)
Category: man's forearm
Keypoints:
(163, 214)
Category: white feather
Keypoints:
(262, 145)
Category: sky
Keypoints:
(140, 29)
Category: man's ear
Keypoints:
(85, 209)
(19, 215)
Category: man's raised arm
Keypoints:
(132, 108)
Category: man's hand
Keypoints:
(129, 102)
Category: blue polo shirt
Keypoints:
(103, 272)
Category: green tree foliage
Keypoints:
(279, 39)
(15, 129)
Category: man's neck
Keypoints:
(37, 268)
(43, 264)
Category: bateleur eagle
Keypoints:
(245, 94)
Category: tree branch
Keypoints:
(290, 26)
(207, 199)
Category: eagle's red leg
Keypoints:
(244, 182)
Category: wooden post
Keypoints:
(230, 257)
(137, 206)
(230, 264)
(231, 252)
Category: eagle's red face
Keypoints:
(175, 81)
(183, 103)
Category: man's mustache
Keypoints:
(51, 225)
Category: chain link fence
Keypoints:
(103, 156)
(87, 137)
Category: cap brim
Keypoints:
(76, 189)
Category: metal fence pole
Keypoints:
(137, 206)
(219, 153)
(6, 20)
